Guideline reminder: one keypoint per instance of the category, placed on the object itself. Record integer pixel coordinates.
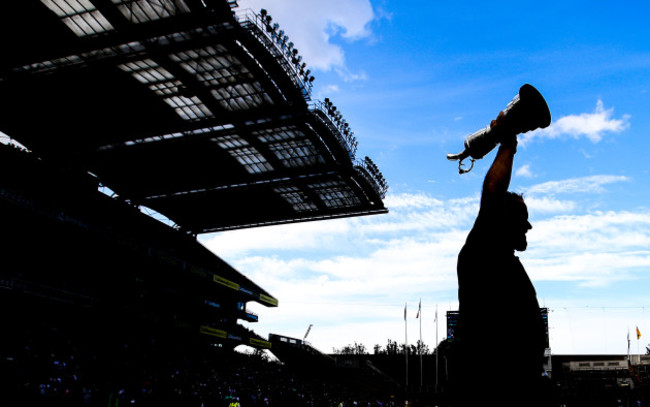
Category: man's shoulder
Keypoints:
(484, 226)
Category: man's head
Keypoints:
(516, 221)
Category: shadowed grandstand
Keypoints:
(180, 109)
(129, 127)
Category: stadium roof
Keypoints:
(182, 107)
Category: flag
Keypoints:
(419, 309)
(628, 343)
(404, 312)
(638, 333)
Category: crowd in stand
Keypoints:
(54, 369)
(112, 363)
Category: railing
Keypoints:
(369, 169)
(338, 126)
(277, 42)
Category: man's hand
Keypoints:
(498, 120)
(508, 138)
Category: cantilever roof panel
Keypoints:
(180, 106)
(326, 196)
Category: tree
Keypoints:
(356, 349)
(360, 349)
(423, 347)
(392, 348)
(346, 350)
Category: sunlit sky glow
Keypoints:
(413, 79)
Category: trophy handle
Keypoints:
(462, 170)
(460, 157)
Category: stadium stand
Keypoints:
(181, 107)
(129, 127)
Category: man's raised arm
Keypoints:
(497, 179)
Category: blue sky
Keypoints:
(413, 79)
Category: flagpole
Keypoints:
(406, 348)
(436, 348)
(420, 316)
(628, 345)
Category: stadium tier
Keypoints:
(183, 107)
(131, 126)
(75, 256)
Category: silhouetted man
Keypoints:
(501, 335)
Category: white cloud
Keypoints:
(351, 277)
(327, 90)
(546, 205)
(420, 200)
(593, 249)
(590, 125)
(524, 171)
(299, 236)
(313, 24)
(349, 76)
(541, 199)
(590, 184)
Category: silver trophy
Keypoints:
(527, 111)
